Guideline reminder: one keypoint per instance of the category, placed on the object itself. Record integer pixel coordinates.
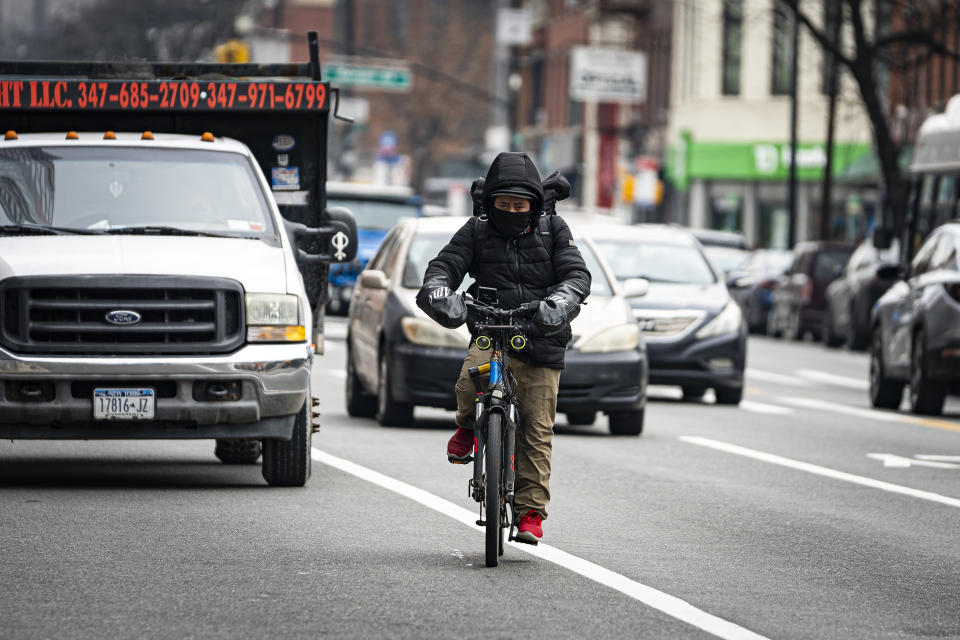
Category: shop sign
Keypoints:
(608, 75)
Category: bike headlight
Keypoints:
(274, 317)
(727, 321)
(429, 334)
(621, 337)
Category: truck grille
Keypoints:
(68, 315)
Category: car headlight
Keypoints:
(727, 321)
(621, 337)
(274, 317)
(429, 334)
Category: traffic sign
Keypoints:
(363, 76)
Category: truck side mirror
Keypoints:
(335, 239)
(882, 237)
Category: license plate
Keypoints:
(123, 404)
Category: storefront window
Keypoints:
(732, 44)
(727, 212)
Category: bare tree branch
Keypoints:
(818, 34)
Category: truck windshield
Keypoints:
(378, 215)
(116, 188)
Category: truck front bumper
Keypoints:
(266, 386)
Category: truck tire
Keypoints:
(237, 450)
(286, 463)
(729, 395)
(626, 423)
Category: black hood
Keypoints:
(514, 173)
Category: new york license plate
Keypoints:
(123, 404)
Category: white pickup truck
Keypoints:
(151, 288)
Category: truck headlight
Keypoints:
(429, 334)
(621, 337)
(274, 317)
(727, 321)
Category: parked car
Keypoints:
(398, 358)
(915, 337)
(753, 283)
(695, 334)
(726, 250)
(850, 298)
(800, 296)
(377, 209)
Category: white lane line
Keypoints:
(900, 462)
(821, 471)
(776, 378)
(936, 457)
(671, 605)
(769, 409)
(834, 407)
(833, 379)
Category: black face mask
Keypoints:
(510, 223)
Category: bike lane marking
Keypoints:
(831, 379)
(775, 378)
(871, 414)
(768, 409)
(664, 602)
(820, 471)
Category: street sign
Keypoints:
(377, 77)
(608, 75)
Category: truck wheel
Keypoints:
(237, 450)
(581, 417)
(885, 393)
(286, 463)
(359, 403)
(926, 395)
(626, 423)
(390, 413)
(729, 395)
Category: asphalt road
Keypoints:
(801, 514)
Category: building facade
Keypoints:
(729, 125)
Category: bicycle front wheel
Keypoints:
(491, 491)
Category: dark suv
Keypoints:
(800, 296)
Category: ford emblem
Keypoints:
(123, 317)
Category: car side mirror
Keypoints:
(335, 240)
(635, 287)
(882, 237)
(374, 279)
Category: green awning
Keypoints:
(865, 171)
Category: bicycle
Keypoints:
(496, 413)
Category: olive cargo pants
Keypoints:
(537, 399)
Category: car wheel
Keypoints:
(287, 463)
(926, 395)
(772, 329)
(626, 423)
(884, 392)
(830, 338)
(237, 450)
(581, 417)
(729, 395)
(390, 413)
(858, 336)
(360, 404)
(694, 393)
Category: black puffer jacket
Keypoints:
(529, 267)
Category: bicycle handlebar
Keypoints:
(525, 310)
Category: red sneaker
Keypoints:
(460, 446)
(529, 529)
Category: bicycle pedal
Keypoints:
(481, 523)
(458, 461)
(522, 541)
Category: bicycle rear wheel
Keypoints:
(491, 492)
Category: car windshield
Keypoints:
(113, 188)
(726, 259)
(829, 264)
(379, 215)
(672, 263)
(425, 247)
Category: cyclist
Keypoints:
(527, 257)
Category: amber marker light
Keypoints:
(72, 135)
(109, 135)
(147, 135)
(10, 135)
(207, 136)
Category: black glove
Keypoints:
(446, 307)
(553, 313)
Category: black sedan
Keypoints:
(753, 283)
(695, 333)
(850, 298)
(398, 359)
(916, 329)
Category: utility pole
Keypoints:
(826, 206)
(792, 185)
